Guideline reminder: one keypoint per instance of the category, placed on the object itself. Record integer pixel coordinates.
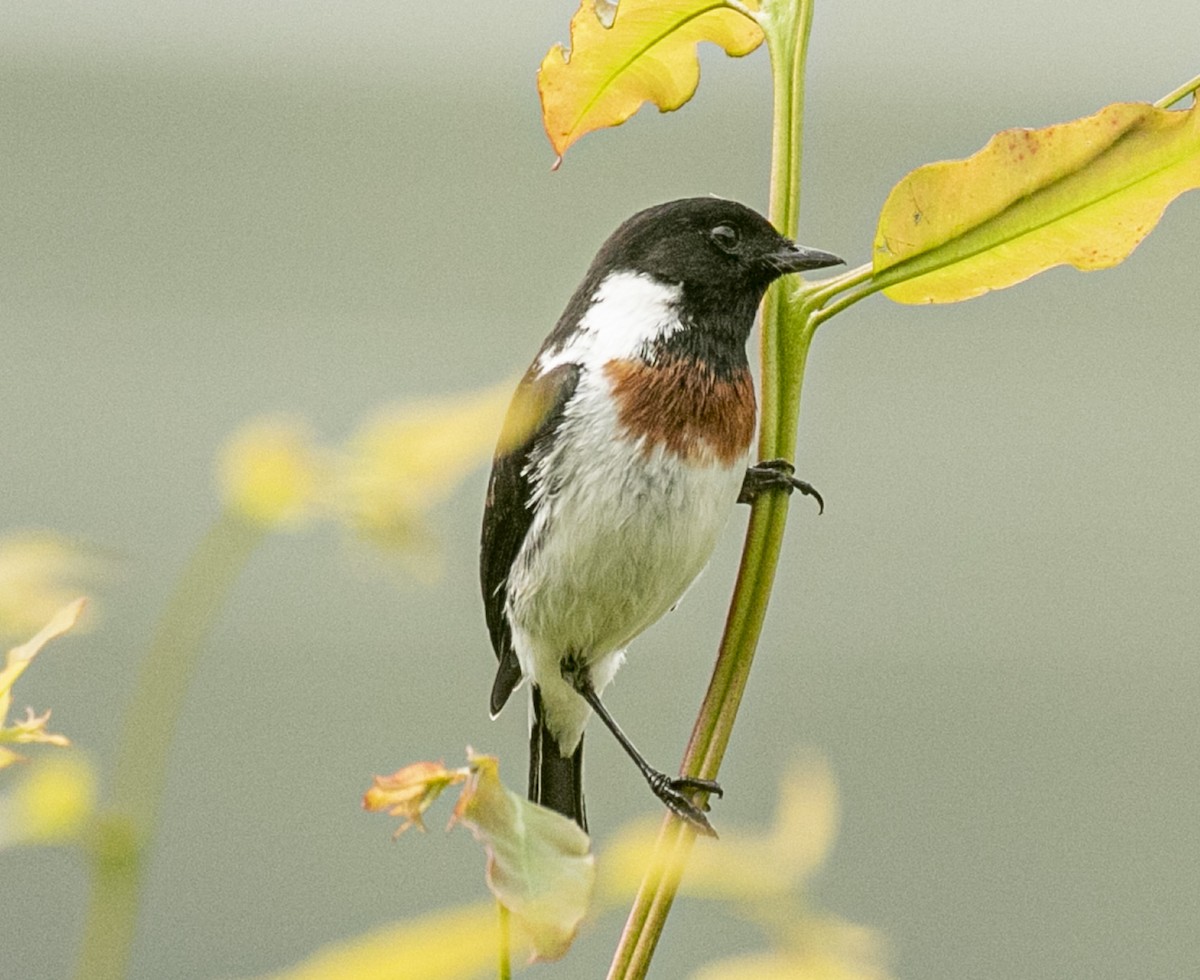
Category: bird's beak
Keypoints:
(798, 258)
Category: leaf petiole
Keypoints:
(1178, 95)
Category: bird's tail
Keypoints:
(555, 780)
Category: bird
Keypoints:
(620, 458)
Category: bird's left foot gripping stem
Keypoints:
(674, 792)
(775, 474)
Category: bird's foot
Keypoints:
(675, 794)
(775, 474)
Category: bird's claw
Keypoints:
(775, 474)
(675, 796)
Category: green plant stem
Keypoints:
(784, 351)
(504, 964)
(787, 26)
(124, 836)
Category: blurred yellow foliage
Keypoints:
(50, 804)
(33, 727)
(540, 867)
(270, 472)
(399, 464)
(741, 866)
(39, 574)
(455, 944)
(763, 875)
(405, 460)
(833, 951)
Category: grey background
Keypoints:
(210, 211)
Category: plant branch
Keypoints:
(784, 350)
(124, 836)
(504, 958)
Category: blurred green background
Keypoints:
(211, 211)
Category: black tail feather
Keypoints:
(555, 780)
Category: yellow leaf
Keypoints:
(450, 945)
(1082, 193)
(648, 55)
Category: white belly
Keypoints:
(616, 544)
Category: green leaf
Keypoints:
(540, 864)
(647, 55)
(1082, 193)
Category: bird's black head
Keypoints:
(723, 253)
(713, 258)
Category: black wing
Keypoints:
(534, 415)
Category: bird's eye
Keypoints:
(725, 238)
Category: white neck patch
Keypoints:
(628, 311)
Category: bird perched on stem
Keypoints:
(622, 455)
